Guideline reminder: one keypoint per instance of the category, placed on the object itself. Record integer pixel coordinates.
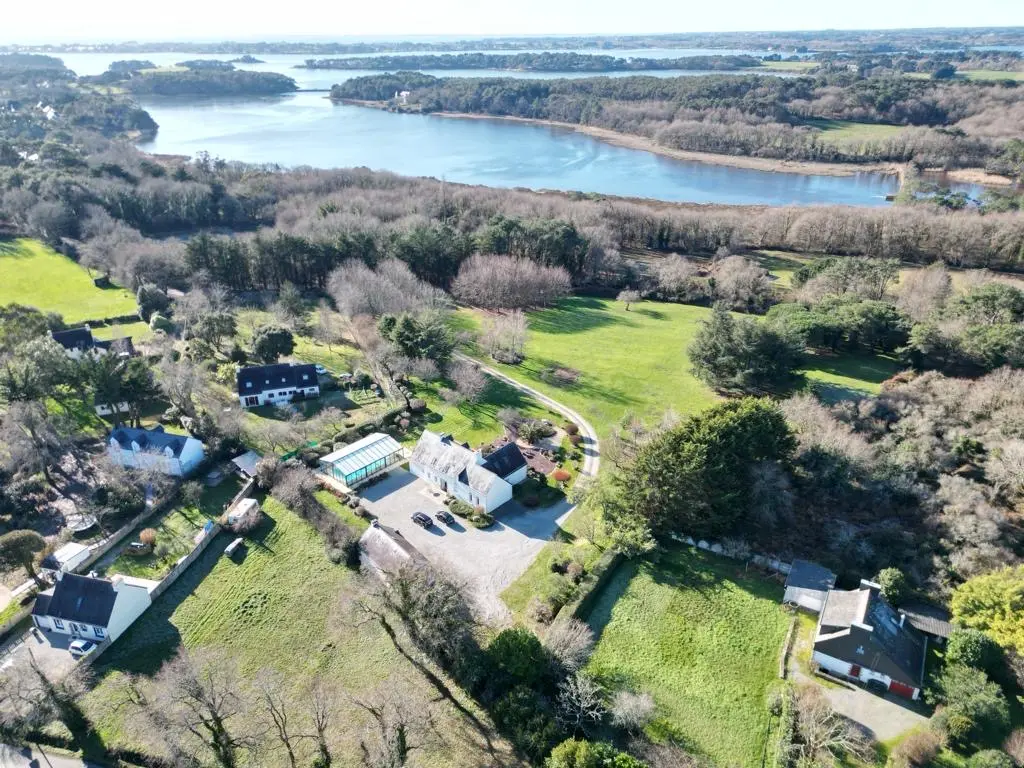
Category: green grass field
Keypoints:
(33, 274)
(283, 606)
(840, 131)
(841, 377)
(704, 639)
(631, 361)
(789, 66)
(137, 331)
(990, 74)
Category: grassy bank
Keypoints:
(703, 638)
(33, 274)
(283, 606)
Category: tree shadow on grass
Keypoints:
(580, 313)
(654, 314)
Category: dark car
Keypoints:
(877, 686)
(422, 519)
(445, 517)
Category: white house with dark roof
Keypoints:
(91, 608)
(466, 474)
(154, 449)
(80, 341)
(276, 384)
(861, 636)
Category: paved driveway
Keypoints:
(50, 650)
(885, 716)
(487, 560)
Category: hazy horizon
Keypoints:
(118, 21)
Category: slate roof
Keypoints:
(859, 626)
(263, 378)
(150, 440)
(246, 463)
(445, 457)
(506, 460)
(78, 598)
(927, 618)
(75, 338)
(807, 575)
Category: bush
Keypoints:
(990, 758)
(540, 610)
(560, 476)
(518, 654)
(158, 322)
(524, 716)
(570, 428)
(975, 711)
(579, 753)
(917, 750)
(460, 508)
(1014, 746)
(576, 439)
(533, 430)
(975, 649)
(148, 536)
(893, 584)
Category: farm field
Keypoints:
(175, 532)
(704, 639)
(33, 274)
(283, 606)
(838, 131)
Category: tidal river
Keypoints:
(306, 129)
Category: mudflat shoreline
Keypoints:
(631, 141)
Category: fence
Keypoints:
(182, 565)
(737, 551)
(118, 536)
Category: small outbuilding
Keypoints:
(808, 585)
(66, 558)
(357, 463)
(245, 464)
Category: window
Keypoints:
(248, 385)
(100, 632)
(252, 400)
(58, 624)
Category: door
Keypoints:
(901, 689)
(855, 670)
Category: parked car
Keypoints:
(81, 648)
(445, 517)
(877, 686)
(422, 519)
(321, 371)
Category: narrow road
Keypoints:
(36, 757)
(591, 447)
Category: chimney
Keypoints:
(903, 618)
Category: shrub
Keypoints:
(524, 716)
(579, 753)
(975, 708)
(530, 500)
(540, 610)
(560, 476)
(975, 649)
(1014, 746)
(570, 428)
(574, 571)
(990, 758)
(460, 508)
(518, 654)
(917, 750)
(158, 322)
(632, 711)
(576, 439)
(148, 536)
(533, 430)
(893, 584)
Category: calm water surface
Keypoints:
(307, 129)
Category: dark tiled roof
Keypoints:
(281, 376)
(78, 598)
(506, 460)
(75, 338)
(890, 646)
(807, 575)
(151, 440)
(928, 618)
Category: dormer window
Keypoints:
(248, 385)
(305, 377)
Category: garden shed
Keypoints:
(356, 463)
(808, 584)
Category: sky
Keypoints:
(119, 20)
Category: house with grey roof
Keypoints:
(808, 584)
(80, 341)
(91, 608)
(480, 481)
(276, 384)
(861, 637)
(154, 449)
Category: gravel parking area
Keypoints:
(50, 650)
(487, 560)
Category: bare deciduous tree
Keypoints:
(632, 711)
(504, 336)
(824, 736)
(581, 703)
(570, 642)
(391, 289)
(399, 720)
(198, 704)
(741, 284)
(506, 282)
(678, 278)
(182, 382)
(470, 382)
(628, 297)
(923, 292)
(32, 440)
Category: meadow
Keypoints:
(282, 605)
(841, 131)
(703, 637)
(33, 274)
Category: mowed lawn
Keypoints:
(283, 606)
(31, 273)
(631, 361)
(703, 638)
(840, 131)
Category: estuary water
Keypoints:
(307, 129)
